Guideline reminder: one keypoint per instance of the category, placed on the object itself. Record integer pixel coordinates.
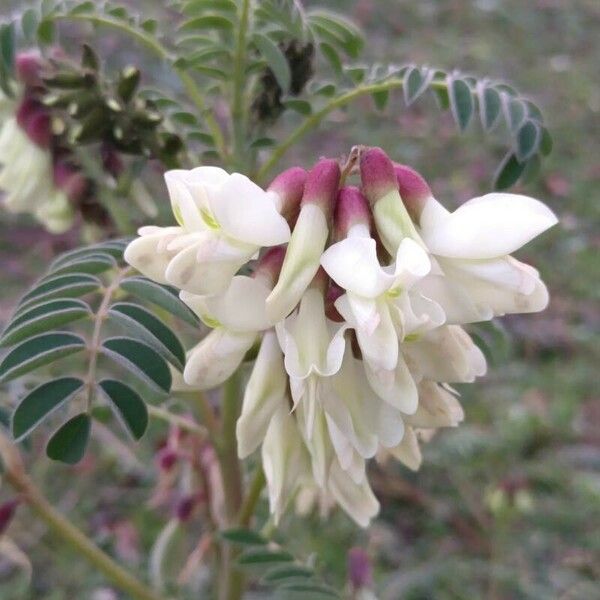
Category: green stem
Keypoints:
(231, 585)
(252, 497)
(238, 109)
(73, 536)
(315, 119)
(163, 414)
(152, 44)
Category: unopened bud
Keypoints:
(288, 188)
(28, 66)
(269, 265)
(166, 459)
(377, 174)
(322, 185)
(380, 186)
(185, 507)
(414, 190)
(34, 119)
(71, 180)
(111, 161)
(351, 209)
(359, 569)
(7, 512)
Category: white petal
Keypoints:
(265, 392)
(354, 266)
(490, 226)
(301, 262)
(357, 500)
(247, 213)
(283, 460)
(206, 267)
(317, 441)
(379, 348)
(396, 386)
(412, 263)
(390, 426)
(437, 408)
(216, 357)
(145, 255)
(240, 308)
(185, 207)
(446, 354)
(408, 451)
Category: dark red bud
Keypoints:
(289, 186)
(351, 209)
(413, 188)
(34, 119)
(322, 185)
(359, 568)
(7, 512)
(377, 174)
(28, 66)
(111, 160)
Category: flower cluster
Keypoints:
(34, 178)
(356, 296)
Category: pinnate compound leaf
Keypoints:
(244, 536)
(130, 408)
(41, 402)
(69, 442)
(60, 286)
(43, 317)
(151, 329)
(39, 351)
(141, 360)
(461, 101)
(258, 556)
(163, 296)
(275, 59)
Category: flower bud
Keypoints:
(377, 175)
(7, 512)
(308, 239)
(380, 186)
(111, 161)
(166, 459)
(70, 180)
(414, 190)
(185, 506)
(28, 66)
(269, 265)
(288, 188)
(351, 209)
(34, 119)
(359, 569)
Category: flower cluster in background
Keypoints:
(35, 177)
(356, 296)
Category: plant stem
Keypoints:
(313, 120)
(252, 497)
(150, 42)
(232, 579)
(238, 112)
(165, 415)
(65, 530)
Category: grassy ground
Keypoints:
(505, 506)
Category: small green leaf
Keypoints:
(161, 295)
(528, 140)
(129, 406)
(38, 351)
(41, 402)
(69, 443)
(381, 99)
(114, 248)
(490, 106)
(185, 118)
(29, 23)
(415, 84)
(258, 556)
(310, 590)
(43, 317)
(263, 142)
(207, 23)
(461, 101)
(244, 536)
(93, 264)
(333, 58)
(284, 572)
(60, 286)
(546, 142)
(508, 173)
(197, 6)
(83, 7)
(275, 58)
(151, 329)
(141, 360)
(46, 32)
(516, 112)
(7, 46)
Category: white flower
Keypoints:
(223, 221)
(26, 178)
(378, 302)
(474, 277)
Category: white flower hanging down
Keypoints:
(358, 318)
